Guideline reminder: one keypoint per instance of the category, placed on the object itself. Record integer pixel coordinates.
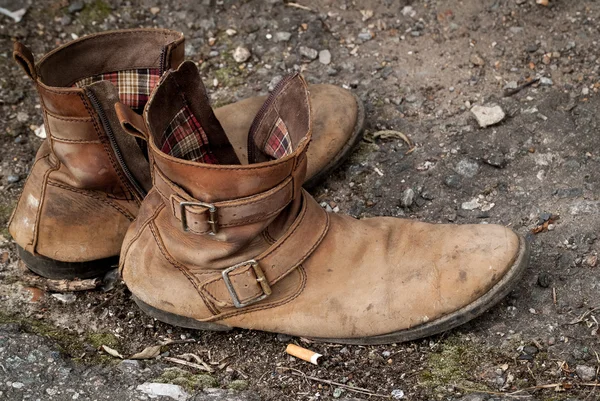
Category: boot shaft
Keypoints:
(78, 83)
(213, 202)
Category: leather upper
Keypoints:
(288, 266)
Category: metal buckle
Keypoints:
(260, 277)
(212, 219)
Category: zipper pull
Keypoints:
(131, 122)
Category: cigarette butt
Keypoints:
(303, 353)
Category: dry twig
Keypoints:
(359, 390)
(300, 6)
(519, 88)
(186, 363)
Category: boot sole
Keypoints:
(343, 153)
(57, 270)
(445, 323)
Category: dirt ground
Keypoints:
(419, 67)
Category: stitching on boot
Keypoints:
(71, 119)
(132, 240)
(73, 140)
(180, 267)
(91, 195)
(45, 182)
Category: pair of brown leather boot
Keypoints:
(207, 209)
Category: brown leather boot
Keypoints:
(217, 246)
(89, 177)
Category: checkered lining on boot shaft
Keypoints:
(186, 139)
(134, 86)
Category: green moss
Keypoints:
(99, 339)
(187, 380)
(96, 11)
(452, 364)
(238, 385)
(229, 76)
(5, 212)
(68, 342)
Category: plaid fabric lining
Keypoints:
(184, 138)
(134, 86)
(279, 143)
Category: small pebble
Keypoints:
(282, 36)
(488, 115)
(308, 52)
(407, 198)
(241, 54)
(12, 178)
(324, 57)
(586, 373)
(365, 36)
(75, 7)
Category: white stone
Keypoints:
(241, 54)
(488, 115)
(231, 32)
(408, 11)
(173, 391)
(282, 36)
(471, 205)
(308, 52)
(324, 57)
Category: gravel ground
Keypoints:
(420, 67)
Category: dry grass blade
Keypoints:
(189, 364)
(189, 357)
(387, 134)
(359, 390)
(518, 393)
(170, 341)
(300, 6)
(147, 353)
(581, 318)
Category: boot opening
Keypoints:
(283, 122)
(183, 125)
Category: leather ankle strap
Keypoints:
(249, 282)
(201, 217)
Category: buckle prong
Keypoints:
(212, 215)
(260, 278)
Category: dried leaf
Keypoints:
(112, 352)
(147, 353)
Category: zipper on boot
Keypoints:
(163, 61)
(113, 143)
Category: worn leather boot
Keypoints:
(89, 177)
(219, 245)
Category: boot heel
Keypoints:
(57, 270)
(177, 320)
